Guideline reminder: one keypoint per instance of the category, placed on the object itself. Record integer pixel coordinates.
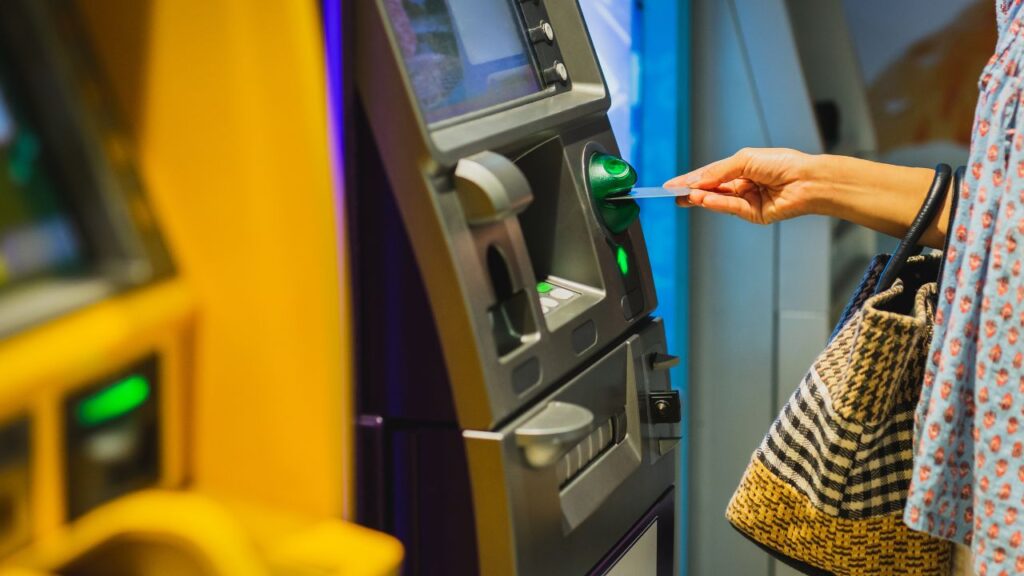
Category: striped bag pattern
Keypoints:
(826, 488)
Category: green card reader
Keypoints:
(610, 176)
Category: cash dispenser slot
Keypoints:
(510, 316)
(491, 189)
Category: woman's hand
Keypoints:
(760, 185)
(766, 185)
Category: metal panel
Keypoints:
(731, 342)
(642, 558)
(832, 70)
(527, 523)
(759, 287)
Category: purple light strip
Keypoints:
(333, 42)
(334, 63)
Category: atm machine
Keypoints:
(110, 417)
(515, 412)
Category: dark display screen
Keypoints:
(37, 234)
(462, 55)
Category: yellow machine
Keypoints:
(174, 356)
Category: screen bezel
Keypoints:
(522, 35)
(503, 125)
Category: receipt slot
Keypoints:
(511, 418)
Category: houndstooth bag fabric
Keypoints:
(825, 490)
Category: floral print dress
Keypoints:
(968, 483)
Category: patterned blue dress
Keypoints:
(968, 483)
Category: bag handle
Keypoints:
(958, 181)
(909, 245)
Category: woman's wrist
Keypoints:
(880, 196)
(821, 184)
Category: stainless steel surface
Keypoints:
(527, 523)
(651, 192)
(642, 558)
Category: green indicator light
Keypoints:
(623, 260)
(544, 287)
(615, 166)
(113, 401)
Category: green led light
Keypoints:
(623, 260)
(544, 287)
(113, 401)
(615, 166)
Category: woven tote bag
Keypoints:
(825, 490)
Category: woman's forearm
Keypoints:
(880, 196)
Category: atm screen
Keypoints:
(462, 55)
(37, 234)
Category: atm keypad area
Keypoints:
(549, 435)
(553, 295)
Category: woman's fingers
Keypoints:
(733, 205)
(739, 187)
(696, 198)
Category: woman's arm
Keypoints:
(766, 185)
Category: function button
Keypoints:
(556, 73)
(543, 32)
(526, 375)
(584, 336)
(548, 302)
(562, 294)
(632, 304)
(544, 287)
